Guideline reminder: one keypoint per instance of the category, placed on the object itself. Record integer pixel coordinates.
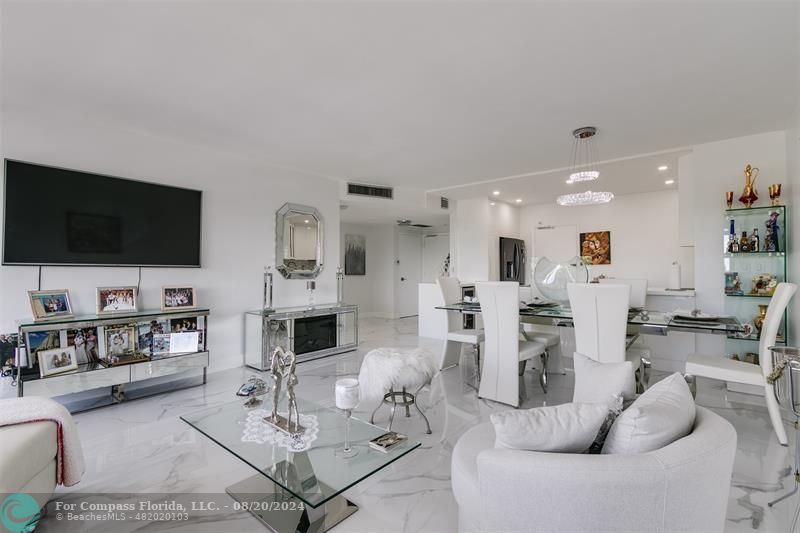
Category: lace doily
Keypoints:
(257, 430)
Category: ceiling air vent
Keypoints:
(444, 202)
(372, 191)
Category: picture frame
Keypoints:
(85, 341)
(57, 361)
(51, 304)
(161, 343)
(595, 247)
(176, 297)
(120, 341)
(110, 300)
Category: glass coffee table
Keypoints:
(296, 491)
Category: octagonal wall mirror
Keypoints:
(298, 241)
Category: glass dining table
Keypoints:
(641, 321)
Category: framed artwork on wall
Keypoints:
(355, 255)
(595, 247)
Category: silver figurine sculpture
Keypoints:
(278, 369)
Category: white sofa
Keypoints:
(28, 459)
(681, 487)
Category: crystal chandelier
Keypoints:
(585, 198)
(584, 155)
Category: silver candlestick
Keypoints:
(268, 288)
(339, 285)
(310, 287)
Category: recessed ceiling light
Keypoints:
(669, 182)
(496, 193)
(662, 168)
(518, 200)
(491, 203)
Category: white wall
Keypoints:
(240, 198)
(373, 292)
(644, 232)
(469, 235)
(718, 167)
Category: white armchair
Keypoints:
(28, 461)
(682, 487)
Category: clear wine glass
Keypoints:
(347, 398)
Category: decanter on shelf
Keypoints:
(749, 194)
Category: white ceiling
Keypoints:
(423, 94)
(625, 176)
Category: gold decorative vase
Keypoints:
(758, 321)
(749, 194)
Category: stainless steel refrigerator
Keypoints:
(512, 260)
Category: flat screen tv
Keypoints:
(55, 216)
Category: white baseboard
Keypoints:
(375, 314)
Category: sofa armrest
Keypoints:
(535, 491)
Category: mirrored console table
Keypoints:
(311, 333)
(102, 379)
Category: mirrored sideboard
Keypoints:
(311, 333)
(152, 361)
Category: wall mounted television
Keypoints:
(55, 216)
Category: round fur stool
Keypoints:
(387, 374)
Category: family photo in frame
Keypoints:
(116, 300)
(57, 360)
(173, 298)
(49, 305)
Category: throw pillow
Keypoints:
(597, 382)
(567, 428)
(660, 416)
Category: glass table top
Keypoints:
(315, 475)
(725, 325)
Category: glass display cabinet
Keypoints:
(123, 354)
(755, 260)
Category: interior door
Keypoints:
(409, 274)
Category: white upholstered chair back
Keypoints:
(450, 290)
(600, 317)
(500, 311)
(638, 289)
(769, 330)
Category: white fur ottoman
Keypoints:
(388, 373)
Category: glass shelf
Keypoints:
(760, 209)
(110, 318)
(755, 338)
(748, 265)
(761, 254)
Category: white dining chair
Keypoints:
(638, 296)
(505, 355)
(455, 336)
(637, 351)
(600, 318)
(726, 369)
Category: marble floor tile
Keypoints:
(143, 447)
